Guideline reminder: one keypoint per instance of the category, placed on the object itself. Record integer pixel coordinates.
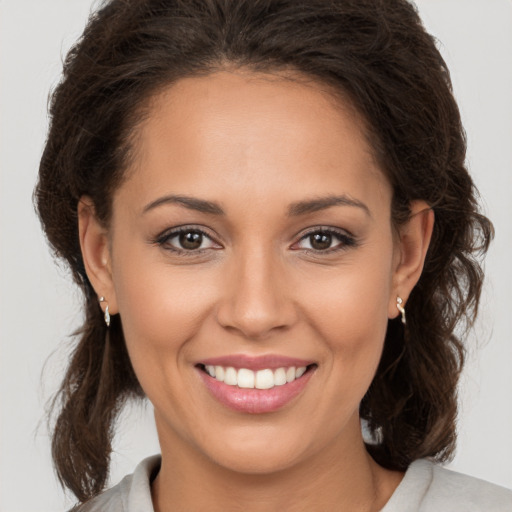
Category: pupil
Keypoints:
(191, 240)
(321, 241)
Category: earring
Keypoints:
(400, 308)
(107, 314)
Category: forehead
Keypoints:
(240, 131)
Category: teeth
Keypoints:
(299, 372)
(219, 373)
(261, 379)
(279, 377)
(230, 377)
(245, 378)
(264, 379)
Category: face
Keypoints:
(252, 241)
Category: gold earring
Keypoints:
(107, 314)
(400, 308)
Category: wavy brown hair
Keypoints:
(376, 54)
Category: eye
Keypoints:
(186, 240)
(190, 240)
(324, 240)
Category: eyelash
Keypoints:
(165, 238)
(345, 239)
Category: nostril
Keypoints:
(255, 311)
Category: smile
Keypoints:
(249, 379)
(255, 385)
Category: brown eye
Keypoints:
(320, 241)
(186, 241)
(325, 240)
(190, 240)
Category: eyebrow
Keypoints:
(191, 203)
(295, 209)
(322, 203)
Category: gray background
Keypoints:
(38, 308)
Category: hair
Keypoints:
(377, 54)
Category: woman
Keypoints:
(266, 206)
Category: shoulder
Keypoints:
(427, 487)
(475, 494)
(131, 494)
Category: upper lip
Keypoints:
(270, 361)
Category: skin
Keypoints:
(255, 145)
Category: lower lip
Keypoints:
(255, 401)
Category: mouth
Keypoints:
(266, 378)
(255, 391)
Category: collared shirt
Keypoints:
(425, 487)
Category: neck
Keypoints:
(342, 477)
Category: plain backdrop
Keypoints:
(39, 308)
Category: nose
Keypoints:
(256, 300)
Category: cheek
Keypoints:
(160, 307)
(349, 310)
(161, 311)
(352, 303)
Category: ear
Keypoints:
(96, 252)
(412, 246)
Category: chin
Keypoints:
(256, 462)
(256, 451)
